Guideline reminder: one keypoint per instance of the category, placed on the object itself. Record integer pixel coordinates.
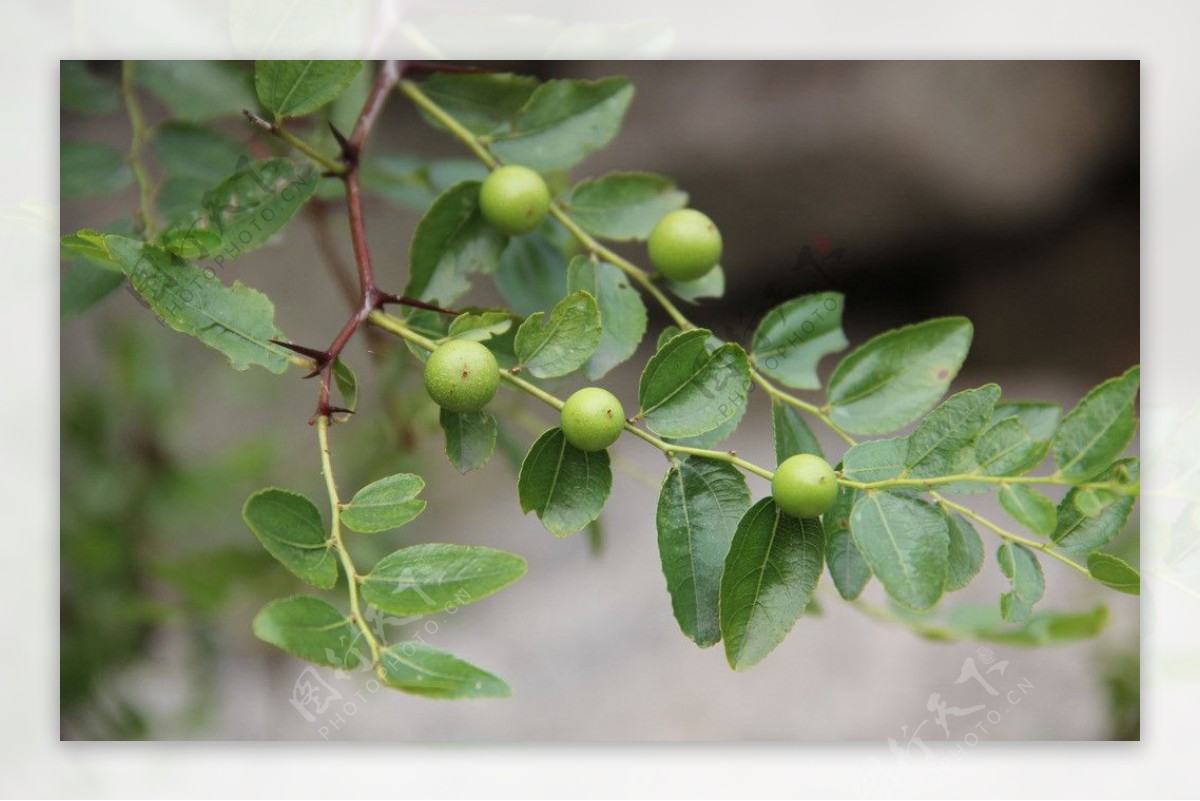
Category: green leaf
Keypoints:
(190, 244)
(1042, 628)
(470, 438)
(847, 566)
(295, 88)
(710, 285)
(622, 312)
(85, 285)
(965, 555)
(1112, 571)
(1097, 430)
(451, 242)
(561, 343)
(89, 168)
(686, 391)
(91, 245)
(562, 122)
(899, 375)
(1080, 533)
(1029, 508)
(532, 275)
(188, 150)
(1022, 568)
(481, 102)
(906, 542)
(699, 508)
(1039, 419)
(770, 574)
(347, 383)
(666, 335)
(1007, 448)
(792, 434)
(935, 446)
(289, 526)
(435, 577)
(624, 205)
(238, 321)
(419, 669)
(792, 338)
(479, 326)
(565, 486)
(199, 90)
(253, 204)
(875, 460)
(385, 504)
(309, 628)
(81, 90)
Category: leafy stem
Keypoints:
(1044, 547)
(396, 326)
(778, 394)
(137, 122)
(296, 143)
(929, 483)
(335, 534)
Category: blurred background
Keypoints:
(1007, 192)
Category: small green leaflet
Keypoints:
(699, 508)
(935, 446)
(792, 338)
(1113, 571)
(622, 312)
(419, 669)
(1080, 533)
(899, 375)
(435, 577)
(560, 343)
(295, 88)
(565, 486)
(238, 321)
(710, 285)
(452, 241)
(289, 526)
(965, 556)
(1022, 568)
(1097, 430)
(562, 122)
(385, 504)
(686, 391)
(875, 460)
(770, 574)
(792, 434)
(1030, 508)
(470, 438)
(847, 567)
(479, 326)
(906, 542)
(532, 274)
(480, 102)
(309, 628)
(347, 383)
(624, 206)
(89, 168)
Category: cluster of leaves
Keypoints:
(737, 571)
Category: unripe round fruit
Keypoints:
(685, 245)
(804, 486)
(592, 419)
(514, 199)
(461, 376)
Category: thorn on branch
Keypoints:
(349, 151)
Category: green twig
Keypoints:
(146, 217)
(335, 534)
